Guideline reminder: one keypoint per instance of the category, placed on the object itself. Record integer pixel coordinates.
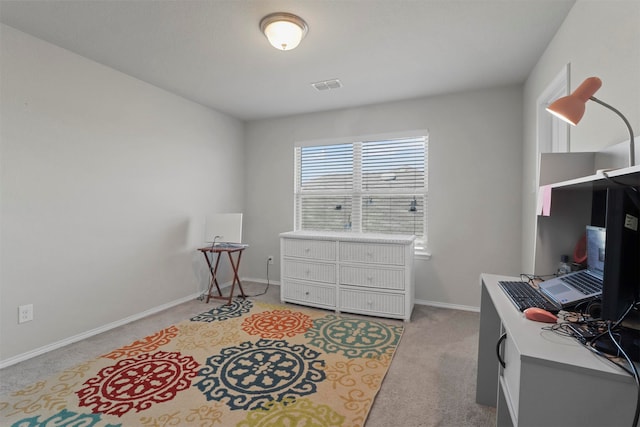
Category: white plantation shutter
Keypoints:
(369, 186)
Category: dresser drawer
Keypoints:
(315, 271)
(372, 253)
(366, 273)
(318, 295)
(376, 303)
(372, 277)
(324, 250)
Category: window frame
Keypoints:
(357, 193)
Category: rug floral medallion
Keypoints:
(247, 364)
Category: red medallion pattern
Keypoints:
(249, 364)
(138, 383)
(277, 324)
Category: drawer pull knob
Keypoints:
(369, 302)
(369, 278)
(307, 250)
(307, 272)
(306, 293)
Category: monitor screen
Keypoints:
(621, 286)
(596, 248)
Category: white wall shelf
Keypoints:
(572, 181)
(598, 181)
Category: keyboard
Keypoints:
(523, 296)
(583, 282)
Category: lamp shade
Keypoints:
(283, 30)
(571, 108)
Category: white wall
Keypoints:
(105, 184)
(475, 152)
(598, 38)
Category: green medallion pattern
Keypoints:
(246, 364)
(353, 337)
(301, 412)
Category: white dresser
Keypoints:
(351, 272)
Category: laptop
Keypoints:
(573, 288)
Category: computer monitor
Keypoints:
(621, 285)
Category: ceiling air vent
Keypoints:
(327, 84)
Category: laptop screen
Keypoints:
(596, 237)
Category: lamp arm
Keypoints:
(632, 154)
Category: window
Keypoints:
(375, 186)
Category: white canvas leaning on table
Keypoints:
(224, 228)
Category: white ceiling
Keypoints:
(212, 51)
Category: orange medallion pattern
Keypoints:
(277, 324)
(145, 345)
(248, 364)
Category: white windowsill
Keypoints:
(422, 255)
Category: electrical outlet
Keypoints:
(270, 259)
(25, 313)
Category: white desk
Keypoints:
(548, 380)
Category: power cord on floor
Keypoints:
(265, 289)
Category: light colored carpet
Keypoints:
(431, 381)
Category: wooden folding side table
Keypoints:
(218, 250)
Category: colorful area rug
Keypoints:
(248, 364)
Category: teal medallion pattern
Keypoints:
(65, 418)
(246, 364)
(250, 374)
(353, 338)
(237, 308)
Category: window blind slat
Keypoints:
(370, 186)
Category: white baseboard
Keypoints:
(59, 344)
(447, 305)
(417, 301)
(249, 279)
(84, 335)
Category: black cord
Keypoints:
(265, 289)
(565, 330)
(531, 278)
(201, 297)
(632, 370)
(634, 374)
(560, 329)
(632, 192)
(608, 178)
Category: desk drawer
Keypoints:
(317, 272)
(317, 295)
(324, 250)
(376, 303)
(371, 277)
(372, 253)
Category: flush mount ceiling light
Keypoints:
(283, 30)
